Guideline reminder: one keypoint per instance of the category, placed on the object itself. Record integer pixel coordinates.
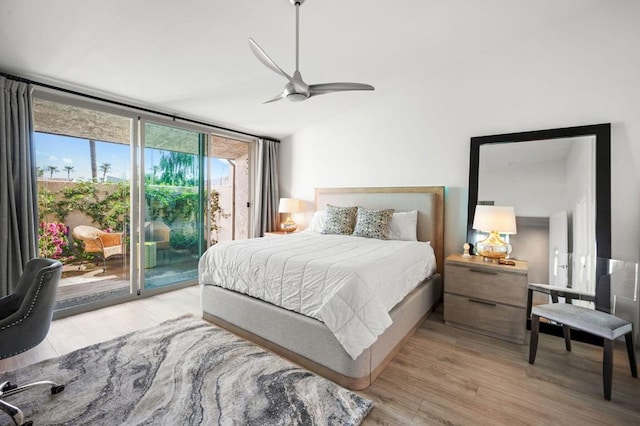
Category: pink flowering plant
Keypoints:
(53, 241)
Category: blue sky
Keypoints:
(61, 151)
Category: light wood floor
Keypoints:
(442, 376)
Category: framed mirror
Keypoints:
(555, 177)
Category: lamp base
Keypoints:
(493, 248)
(288, 225)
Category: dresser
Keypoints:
(485, 297)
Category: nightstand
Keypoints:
(277, 233)
(485, 297)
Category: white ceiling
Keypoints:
(191, 58)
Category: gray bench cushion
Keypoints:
(580, 318)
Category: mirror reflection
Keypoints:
(551, 186)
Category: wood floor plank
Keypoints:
(387, 391)
(443, 375)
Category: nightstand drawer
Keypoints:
(487, 284)
(493, 319)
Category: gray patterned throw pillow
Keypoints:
(373, 223)
(340, 220)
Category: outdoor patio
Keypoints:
(86, 282)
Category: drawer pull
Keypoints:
(482, 271)
(482, 302)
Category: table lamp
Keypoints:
(289, 205)
(495, 220)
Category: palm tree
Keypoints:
(69, 169)
(177, 168)
(39, 171)
(155, 173)
(52, 169)
(94, 163)
(104, 168)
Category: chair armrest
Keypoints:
(8, 305)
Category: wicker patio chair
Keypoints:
(107, 244)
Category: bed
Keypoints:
(307, 340)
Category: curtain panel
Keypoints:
(267, 197)
(18, 183)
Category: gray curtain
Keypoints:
(18, 183)
(267, 197)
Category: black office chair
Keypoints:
(25, 317)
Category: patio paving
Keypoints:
(92, 284)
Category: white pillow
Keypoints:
(317, 221)
(404, 226)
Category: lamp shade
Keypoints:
(289, 205)
(500, 219)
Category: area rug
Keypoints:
(185, 371)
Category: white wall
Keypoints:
(532, 189)
(575, 72)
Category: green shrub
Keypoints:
(110, 208)
(184, 240)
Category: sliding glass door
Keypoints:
(83, 167)
(173, 207)
(128, 203)
(228, 186)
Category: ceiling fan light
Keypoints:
(296, 97)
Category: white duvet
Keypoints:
(349, 283)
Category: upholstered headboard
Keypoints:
(428, 200)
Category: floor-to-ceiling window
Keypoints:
(228, 161)
(83, 166)
(128, 202)
(174, 204)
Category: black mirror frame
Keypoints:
(602, 133)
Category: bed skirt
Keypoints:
(308, 342)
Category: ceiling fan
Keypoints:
(296, 89)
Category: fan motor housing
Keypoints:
(296, 95)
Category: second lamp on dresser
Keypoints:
(485, 297)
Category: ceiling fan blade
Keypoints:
(321, 89)
(267, 61)
(275, 98)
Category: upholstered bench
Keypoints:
(594, 322)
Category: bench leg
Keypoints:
(566, 332)
(607, 368)
(631, 351)
(533, 344)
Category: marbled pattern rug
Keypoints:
(185, 371)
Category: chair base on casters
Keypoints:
(7, 389)
(598, 323)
